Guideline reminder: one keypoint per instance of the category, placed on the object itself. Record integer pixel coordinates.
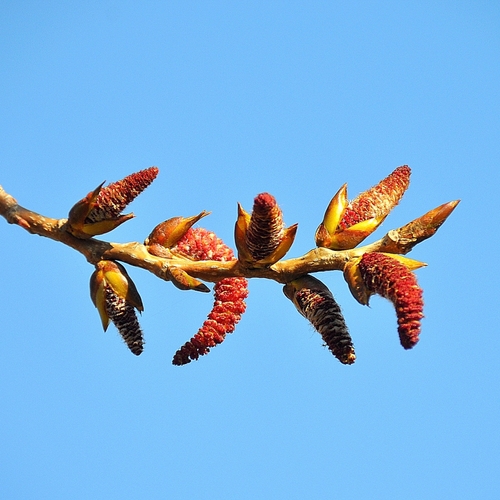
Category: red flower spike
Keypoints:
(379, 200)
(99, 212)
(113, 199)
(390, 278)
(229, 295)
(345, 225)
(315, 302)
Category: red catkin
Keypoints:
(379, 200)
(391, 279)
(113, 198)
(266, 227)
(229, 295)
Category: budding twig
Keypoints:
(175, 251)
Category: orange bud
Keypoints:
(240, 231)
(168, 233)
(182, 280)
(402, 240)
(357, 286)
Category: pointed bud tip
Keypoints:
(335, 210)
(169, 232)
(441, 213)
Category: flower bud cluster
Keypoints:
(262, 240)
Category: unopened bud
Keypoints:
(169, 232)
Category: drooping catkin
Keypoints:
(316, 303)
(391, 279)
(229, 295)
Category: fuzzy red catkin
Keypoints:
(113, 198)
(229, 295)
(379, 200)
(391, 279)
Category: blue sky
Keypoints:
(230, 99)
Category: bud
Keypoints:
(402, 240)
(240, 231)
(315, 302)
(100, 211)
(182, 280)
(354, 279)
(168, 233)
(261, 238)
(345, 225)
(115, 296)
(229, 295)
(384, 275)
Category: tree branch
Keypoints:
(136, 254)
(176, 252)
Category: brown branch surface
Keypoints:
(136, 254)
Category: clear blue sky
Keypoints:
(230, 99)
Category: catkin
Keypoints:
(113, 199)
(123, 316)
(391, 279)
(266, 227)
(229, 295)
(379, 200)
